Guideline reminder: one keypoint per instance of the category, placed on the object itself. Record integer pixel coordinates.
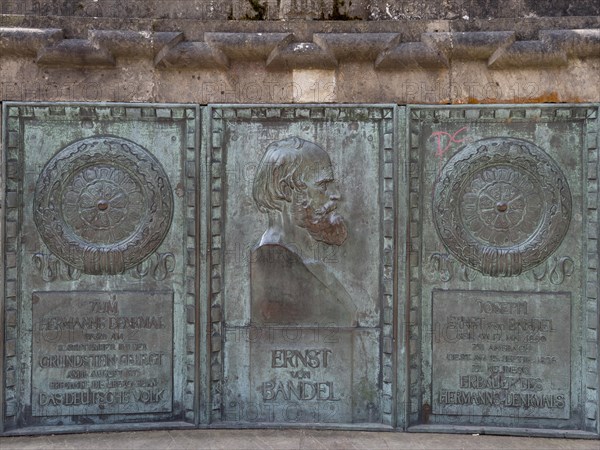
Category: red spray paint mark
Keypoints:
(441, 148)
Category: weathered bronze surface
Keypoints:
(102, 353)
(302, 235)
(499, 210)
(103, 205)
(366, 266)
(502, 354)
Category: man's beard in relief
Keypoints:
(323, 224)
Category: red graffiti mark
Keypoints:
(441, 149)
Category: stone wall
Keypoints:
(343, 10)
(179, 52)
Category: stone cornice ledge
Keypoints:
(282, 51)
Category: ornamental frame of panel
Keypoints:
(219, 115)
(11, 196)
(591, 114)
(10, 221)
(592, 306)
(414, 325)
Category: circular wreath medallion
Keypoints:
(501, 206)
(103, 205)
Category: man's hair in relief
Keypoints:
(282, 170)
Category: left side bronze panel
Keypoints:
(100, 271)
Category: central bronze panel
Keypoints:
(303, 263)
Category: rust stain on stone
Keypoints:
(550, 97)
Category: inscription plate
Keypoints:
(501, 354)
(302, 375)
(102, 353)
(308, 375)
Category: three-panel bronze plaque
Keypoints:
(341, 266)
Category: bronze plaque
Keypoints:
(501, 354)
(102, 353)
(303, 263)
(503, 265)
(101, 264)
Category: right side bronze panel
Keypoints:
(503, 267)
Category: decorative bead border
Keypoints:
(592, 289)
(12, 194)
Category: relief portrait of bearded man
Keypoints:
(294, 185)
